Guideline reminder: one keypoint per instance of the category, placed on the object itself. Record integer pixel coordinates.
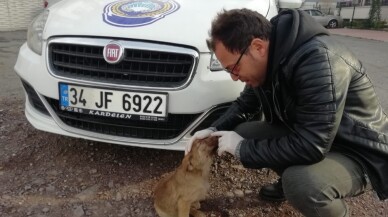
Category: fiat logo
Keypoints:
(113, 52)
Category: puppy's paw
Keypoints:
(196, 213)
(196, 205)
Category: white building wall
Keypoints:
(17, 14)
(362, 12)
(384, 13)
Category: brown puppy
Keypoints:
(178, 195)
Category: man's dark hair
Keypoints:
(236, 28)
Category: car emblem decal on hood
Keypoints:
(113, 52)
(133, 13)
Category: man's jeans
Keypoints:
(317, 189)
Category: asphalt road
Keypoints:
(10, 43)
(373, 54)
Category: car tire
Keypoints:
(332, 24)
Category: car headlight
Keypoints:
(215, 65)
(35, 32)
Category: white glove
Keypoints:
(227, 141)
(198, 135)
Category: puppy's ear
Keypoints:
(213, 141)
(190, 166)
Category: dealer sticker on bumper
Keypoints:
(113, 103)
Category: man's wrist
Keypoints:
(212, 129)
(237, 151)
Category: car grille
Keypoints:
(139, 67)
(169, 129)
(34, 99)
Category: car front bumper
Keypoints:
(206, 94)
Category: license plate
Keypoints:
(113, 103)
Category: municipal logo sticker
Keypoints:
(113, 52)
(133, 13)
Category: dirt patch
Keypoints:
(43, 174)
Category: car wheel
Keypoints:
(332, 24)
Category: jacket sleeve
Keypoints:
(318, 94)
(241, 110)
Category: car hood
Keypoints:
(184, 22)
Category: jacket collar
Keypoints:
(290, 29)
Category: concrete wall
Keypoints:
(17, 14)
(362, 12)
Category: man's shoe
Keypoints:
(273, 192)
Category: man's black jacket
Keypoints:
(321, 92)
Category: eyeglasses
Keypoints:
(238, 61)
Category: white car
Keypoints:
(130, 72)
(328, 21)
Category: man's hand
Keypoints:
(227, 141)
(198, 135)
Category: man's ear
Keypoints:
(260, 47)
